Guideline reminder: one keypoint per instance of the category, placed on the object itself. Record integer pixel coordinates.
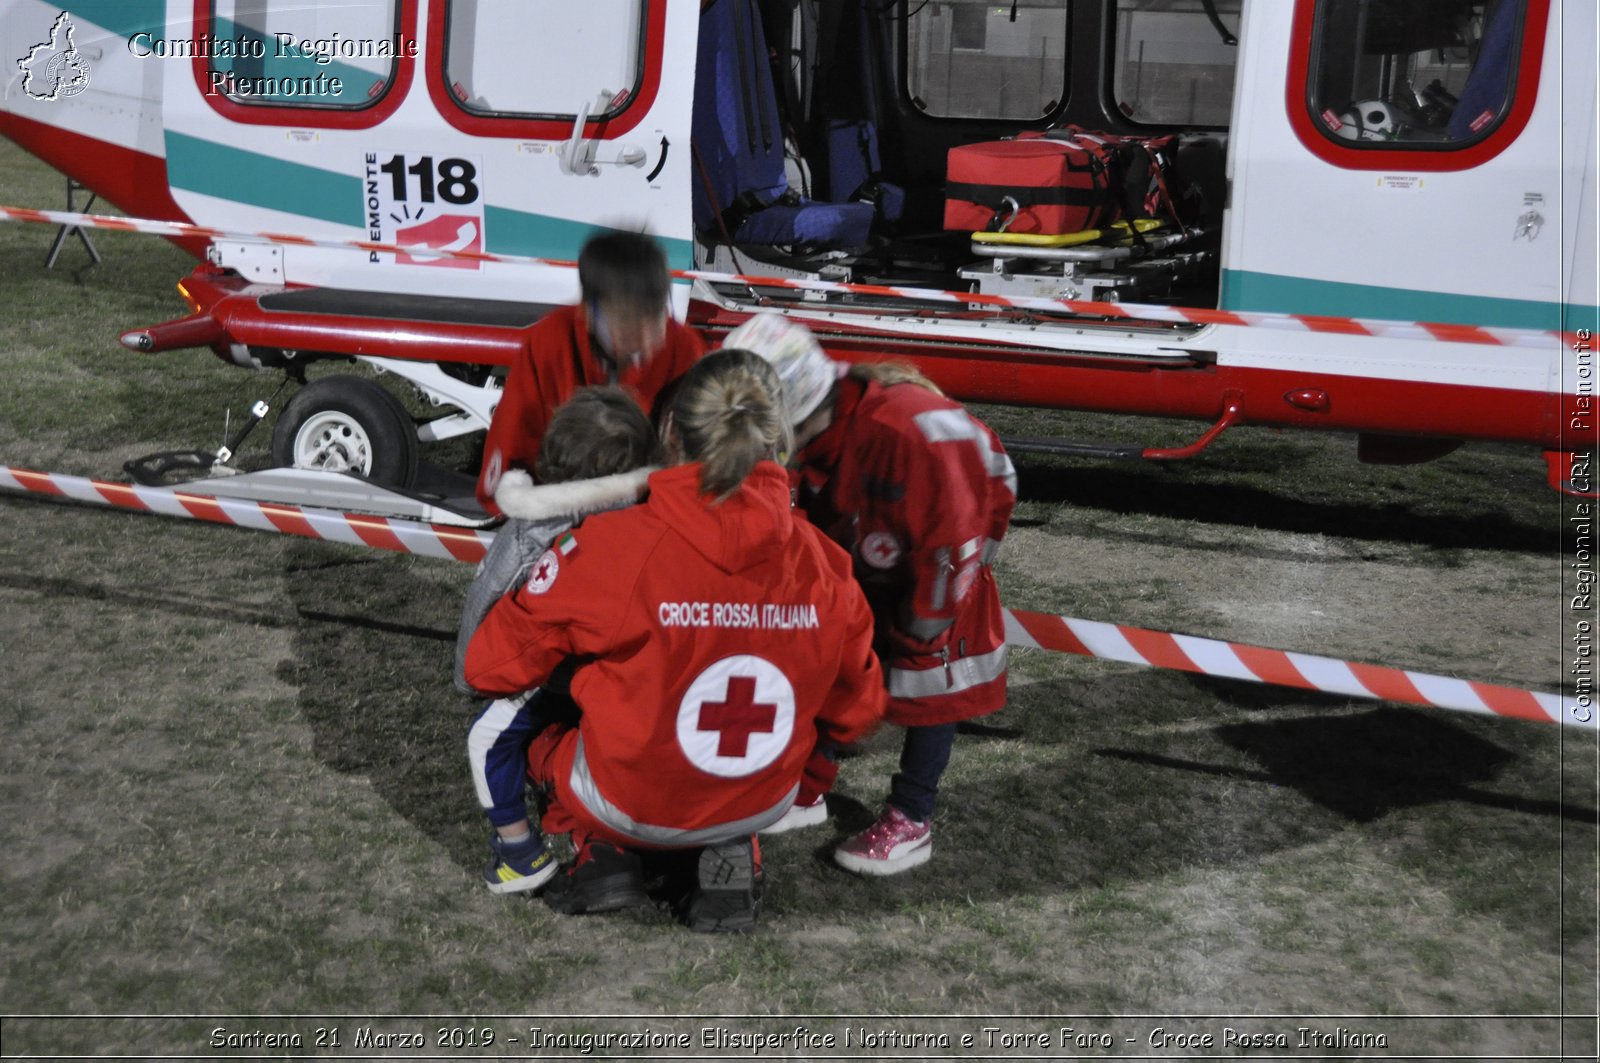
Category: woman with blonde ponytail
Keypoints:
(731, 420)
(717, 638)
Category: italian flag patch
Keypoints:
(567, 543)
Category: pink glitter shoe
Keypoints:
(893, 844)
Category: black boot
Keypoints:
(604, 878)
(727, 893)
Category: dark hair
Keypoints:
(729, 415)
(626, 268)
(597, 432)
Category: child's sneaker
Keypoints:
(893, 844)
(799, 816)
(604, 878)
(518, 868)
(727, 893)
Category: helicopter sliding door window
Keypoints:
(1174, 61)
(289, 53)
(1416, 84)
(515, 68)
(540, 60)
(969, 59)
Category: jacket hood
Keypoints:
(518, 496)
(742, 530)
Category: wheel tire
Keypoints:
(348, 424)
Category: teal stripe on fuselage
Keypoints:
(515, 232)
(123, 17)
(1272, 293)
(196, 165)
(228, 173)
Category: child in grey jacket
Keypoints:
(595, 456)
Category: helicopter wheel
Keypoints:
(348, 424)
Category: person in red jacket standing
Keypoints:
(920, 493)
(718, 637)
(622, 333)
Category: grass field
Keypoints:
(234, 789)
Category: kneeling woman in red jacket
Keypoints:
(719, 638)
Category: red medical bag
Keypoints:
(1141, 167)
(1033, 184)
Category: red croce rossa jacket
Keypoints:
(556, 360)
(717, 641)
(920, 493)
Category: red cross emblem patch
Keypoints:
(736, 717)
(493, 469)
(880, 550)
(543, 574)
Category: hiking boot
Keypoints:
(518, 868)
(799, 815)
(604, 878)
(893, 844)
(728, 890)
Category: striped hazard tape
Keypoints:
(1090, 638)
(1234, 660)
(355, 529)
(1144, 312)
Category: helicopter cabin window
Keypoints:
(288, 53)
(1418, 75)
(503, 59)
(1174, 61)
(966, 59)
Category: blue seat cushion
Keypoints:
(832, 224)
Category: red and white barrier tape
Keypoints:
(405, 536)
(1091, 638)
(1181, 315)
(1233, 660)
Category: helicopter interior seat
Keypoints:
(850, 34)
(1488, 83)
(741, 189)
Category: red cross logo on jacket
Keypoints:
(543, 574)
(737, 716)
